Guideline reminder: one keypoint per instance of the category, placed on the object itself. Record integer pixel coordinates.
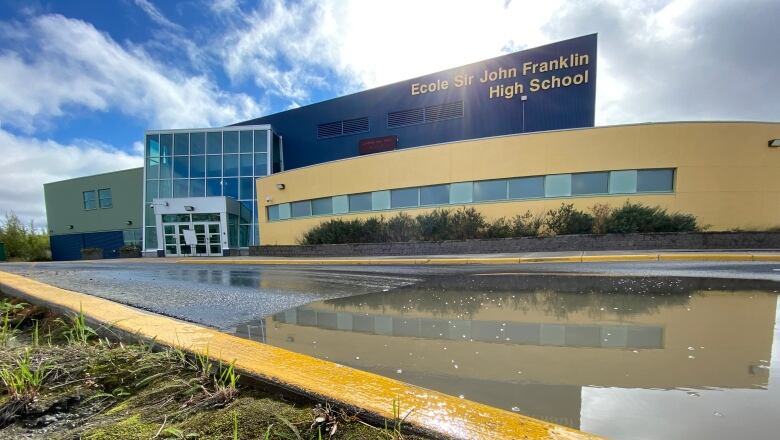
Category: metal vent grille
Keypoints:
(342, 128)
(432, 113)
(406, 117)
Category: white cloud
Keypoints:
(658, 60)
(155, 15)
(69, 65)
(28, 163)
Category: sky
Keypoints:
(80, 81)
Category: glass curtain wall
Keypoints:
(208, 163)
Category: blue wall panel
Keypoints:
(68, 247)
(484, 116)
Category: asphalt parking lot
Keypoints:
(223, 296)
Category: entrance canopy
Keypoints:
(197, 226)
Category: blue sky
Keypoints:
(81, 80)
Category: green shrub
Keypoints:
(334, 231)
(636, 217)
(466, 223)
(601, 213)
(434, 225)
(567, 220)
(527, 225)
(401, 227)
(498, 228)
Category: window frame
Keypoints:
(100, 199)
(94, 199)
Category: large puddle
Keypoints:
(625, 358)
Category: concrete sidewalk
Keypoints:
(515, 258)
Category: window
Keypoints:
(435, 195)
(273, 212)
(213, 166)
(181, 144)
(245, 137)
(198, 166)
(104, 196)
(246, 185)
(245, 164)
(404, 198)
(622, 182)
(557, 185)
(181, 167)
(153, 145)
(360, 202)
(198, 143)
(166, 144)
(181, 188)
(322, 206)
(300, 209)
(90, 199)
(655, 181)
(461, 192)
(230, 142)
(526, 188)
(197, 187)
(489, 190)
(214, 142)
(589, 183)
(230, 188)
(230, 164)
(261, 164)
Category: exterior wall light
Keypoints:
(70, 226)
(129, 222)
(774, 143)
(189, 208)
(280, 186)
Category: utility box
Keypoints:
(2, 251)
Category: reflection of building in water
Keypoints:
(510, 353)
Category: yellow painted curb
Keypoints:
(705, 257)
(497, 260)
(618, 258)
(427, 410)
(562, 259)
(766, 257)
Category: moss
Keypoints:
(130, 428)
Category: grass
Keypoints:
(109, 388)
(23, 382)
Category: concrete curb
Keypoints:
(426, 411)
(694, 256)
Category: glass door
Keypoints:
(214, 239)
(208, 238)
(184, 248)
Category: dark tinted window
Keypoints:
(655, 181)
(526, 187)
(590, 183)
(402, 198)
(435, 195)
(360, 202)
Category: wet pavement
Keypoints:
(625, 350)
(629, 357)
(223, 296)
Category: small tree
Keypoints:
(22, 242)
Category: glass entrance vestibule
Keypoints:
(202, 226)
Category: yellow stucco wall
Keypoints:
(727, 175)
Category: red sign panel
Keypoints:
(377, 145)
